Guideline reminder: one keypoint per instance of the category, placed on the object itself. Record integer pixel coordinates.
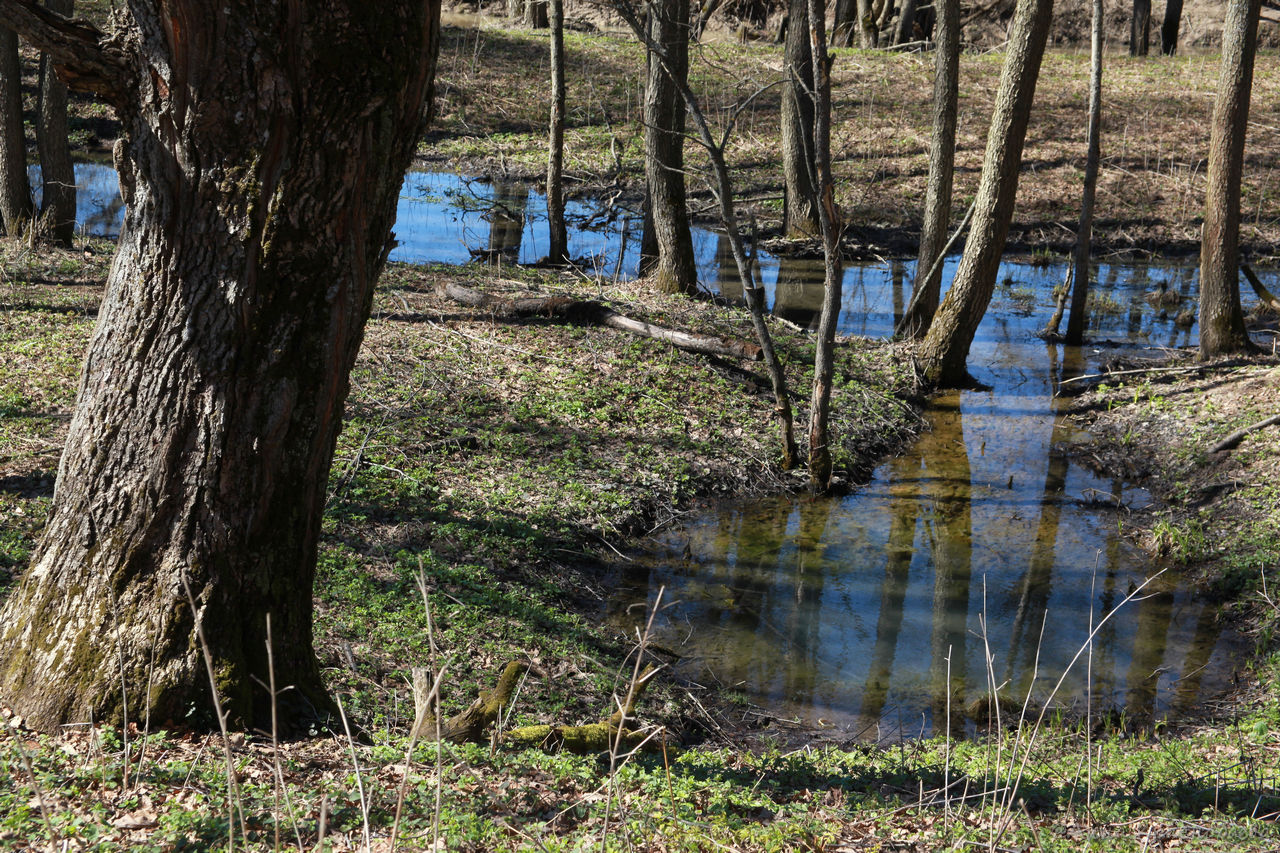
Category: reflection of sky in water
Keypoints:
(853, 610)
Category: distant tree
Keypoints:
(668, 27)
(844, 23)
(942, 156)
(264, 154)
(1169, 28)
(829, 218)
(1221, 318)
(558, 244)
(58, 197)
(1084, 230)
(868, 13)
(945, 349)
(1140, 28)
(907, 22)
(801, 210)
(15, 191)
(535, 14)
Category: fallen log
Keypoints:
(1264, 295)
(589, 312)
(1236, 437)
(471, 725)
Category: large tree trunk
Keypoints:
(844, 24)
(15, 191)
(1170, 26)
(801, 214)
(58, 198)
(1084, 231)
(868, 35)
(1140, 28)
(558, 244)
(829, 218)
(907, 23)
(1221, 319)
(267, 149)
(942, 158)
(946, 347)
(668, 25)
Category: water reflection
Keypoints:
(875, 612)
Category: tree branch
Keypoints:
(82, 54)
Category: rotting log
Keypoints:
(472, 724)
(589, 312)
(468, 726)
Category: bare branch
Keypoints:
(82, 54)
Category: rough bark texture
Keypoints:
(1170, 26)
(844, 24)
(15, 191)
(58, 197)
(1221, 318)
(1084, 231)
(267, 141)
(946, 347)
(668, 25)
(1140, 28)
(942, 158)
(558, 244)
(829, 218)
(801, 214)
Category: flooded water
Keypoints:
(978, 560)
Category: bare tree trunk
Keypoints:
(946, 346)
(829, 218)
(558, 245)
(942, 157)
(1140, 28)
(868, 36)
(535, 14)
(266, 153)
(15, 191)
(58, 199)
(801, 213)
(1169, 28)
(515, 9)
(1084, 231)
(1221, 318)
(907, 23)
(722, 190)
(845, 24)
(668, 24)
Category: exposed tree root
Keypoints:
(594, 313)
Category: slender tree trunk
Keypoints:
(829, 218)
(558, 246)
(15, 191)
(942, 157)
(801, 214)
(1221, 319)
(722, 190)
(1084, 231)
(1140, 28)
(58, 199)
(266, 153)
(868, 36)
(1169, 28)
(845, 24)
(945, 350)
(907, 23)
(668, 24)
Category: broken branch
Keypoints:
(84, 56)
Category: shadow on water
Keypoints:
(875, 613)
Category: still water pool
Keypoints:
(979, 560)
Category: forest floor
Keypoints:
(497, 465)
